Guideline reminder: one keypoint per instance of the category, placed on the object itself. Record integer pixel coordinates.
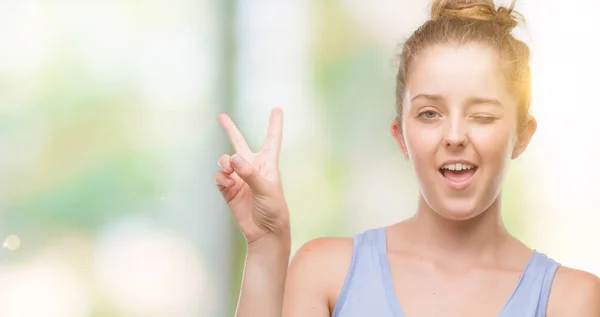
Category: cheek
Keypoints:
(422, 142)
(493, 142)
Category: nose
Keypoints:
(456, 135)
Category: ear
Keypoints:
(525, 137)
(396, 131)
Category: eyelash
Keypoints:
(485, 117)
(420, 115)
(482, 117)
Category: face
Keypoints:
(459, 128)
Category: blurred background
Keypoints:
(108, 141)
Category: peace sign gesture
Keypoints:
(251, 184)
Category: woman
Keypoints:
(463, 95)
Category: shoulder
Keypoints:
(325, 260)
(317, 273)
(324, 248)
(574, 293)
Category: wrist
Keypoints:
(276, 244)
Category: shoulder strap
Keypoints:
(361, 266)
(530, 297)
(350, 276)
(551, 267)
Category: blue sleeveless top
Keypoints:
(368, 289)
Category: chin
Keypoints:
(458, 214)
(457, 209)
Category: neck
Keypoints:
(480, 237)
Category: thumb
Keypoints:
(249, 174)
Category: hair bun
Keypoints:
(483, 10)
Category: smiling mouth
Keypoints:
(458, 175)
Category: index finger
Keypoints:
(235, 136)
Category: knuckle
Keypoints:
(223, 158)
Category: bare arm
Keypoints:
(316, 277)
(251, 185)
(264, 279)
(310, 289)
(574, 293)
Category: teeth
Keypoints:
(457, 167)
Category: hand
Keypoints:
(250, 182)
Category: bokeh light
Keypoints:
(12, 243)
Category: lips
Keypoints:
(458, 175)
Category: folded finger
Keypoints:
(224, 163)
(223, 180)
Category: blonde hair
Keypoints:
(468, 21)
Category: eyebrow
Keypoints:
(427, 97)
(470, 101)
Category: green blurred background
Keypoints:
(109, 141)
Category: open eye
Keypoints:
(428, 115)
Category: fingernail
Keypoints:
(227, 182)
(237, 161)
(221, 167)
